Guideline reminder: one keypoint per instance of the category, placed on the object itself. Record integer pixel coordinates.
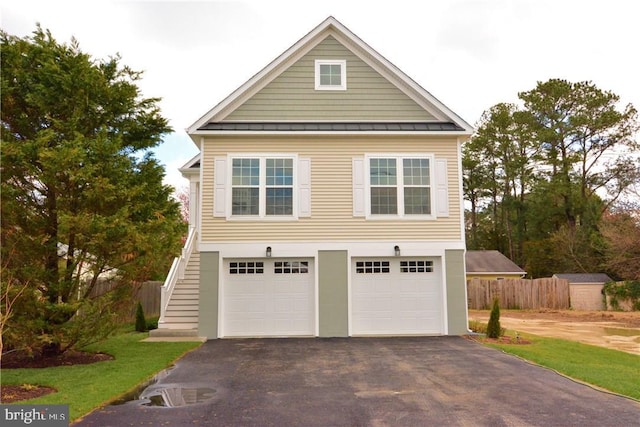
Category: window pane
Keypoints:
(279, 201)
(330, 75)
(382, 171)
(246, 172)
(384, 201)
(279, 172)
(245, 201)
(364, 267)
(416, 171)
(417, 201)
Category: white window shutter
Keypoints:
(442, 188)
(304, 187)
(359, 187)
(219, 187)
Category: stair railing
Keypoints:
(176, 273)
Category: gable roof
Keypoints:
(446, 120)
(584, 277)
(489, 262)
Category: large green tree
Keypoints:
(82, 194)
(498, 167)
(543, 174)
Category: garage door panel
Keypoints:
(396, 297)
(268, 298)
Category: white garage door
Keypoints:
(270, 297)
(396, 296)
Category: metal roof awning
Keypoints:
(332, 127)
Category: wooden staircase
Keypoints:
(180, 317)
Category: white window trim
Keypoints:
(262, 200)
(399, 185)
(343, 72)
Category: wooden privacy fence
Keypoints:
(148, 294)
(519, 293)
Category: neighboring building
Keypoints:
(326, 201)
(585, 290)
(491, 265)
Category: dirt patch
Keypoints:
(624, 319)
(17, 360)
(615, 330)
(16, 393)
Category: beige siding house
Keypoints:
(326, 201)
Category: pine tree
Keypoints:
(141, 322)
(493, 328)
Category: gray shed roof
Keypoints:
(490, 262)
(333, 126)
(584, 277)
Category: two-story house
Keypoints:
(326, 200)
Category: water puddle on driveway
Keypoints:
(171, 397)
(166, 395)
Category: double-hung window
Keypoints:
(262, 186)
(400, 186)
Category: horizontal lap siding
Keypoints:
(331, 192)
(292, 95)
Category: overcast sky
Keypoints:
(470, 54)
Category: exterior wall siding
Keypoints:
(456, 293)
(209, 291)
(331, 191)
(586, 297)
(333, 293)
(292, 96)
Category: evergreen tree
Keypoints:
(141, 322)
(493, 327)
(82, 194)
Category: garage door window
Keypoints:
(364, 267)
(419, 266)
(250, 267)
(291, 267)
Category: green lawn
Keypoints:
(87, 387)
(613, 370)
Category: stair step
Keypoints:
(186, 292)
(181, 320)
(183, 296)
(182, 311)
(173, 332)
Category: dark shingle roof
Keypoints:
(334, 126)
(490, 262)
(584, 277)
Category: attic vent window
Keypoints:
(331, 74)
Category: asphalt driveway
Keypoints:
(416, 381)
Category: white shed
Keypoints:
(585, 290)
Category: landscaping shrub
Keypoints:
(493, 327)
(152, 323)
(623, 291)
(141, 323)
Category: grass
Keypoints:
(612, 370)
(87, 387)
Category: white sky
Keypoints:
(470, 54)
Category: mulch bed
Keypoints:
(16, 393)
(501, 340)
(68, 358)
